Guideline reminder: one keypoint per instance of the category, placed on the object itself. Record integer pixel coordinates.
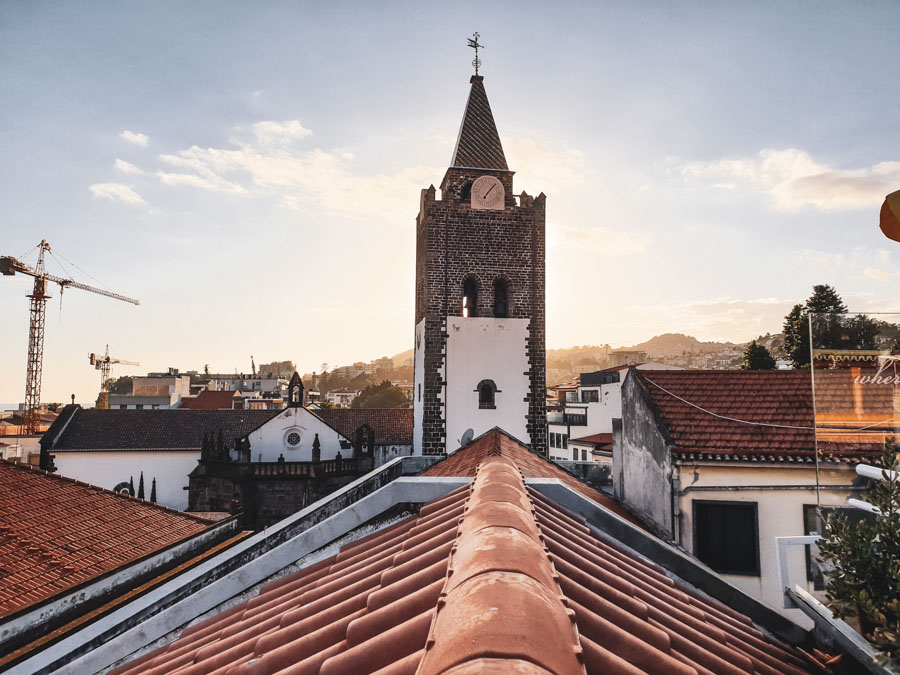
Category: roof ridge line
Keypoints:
(501, 572)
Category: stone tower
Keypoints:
(480, 339)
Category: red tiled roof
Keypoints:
(491, 578)
(56, 533)
(210, 400)
(94, 429)
(782, 398)
(465, 461)
(392, 426)
(596, 439)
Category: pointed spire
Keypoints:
(140, 493)
(478, 145)
(131, 486)
(295, 391)
(153, 491)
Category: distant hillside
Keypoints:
(677, 344)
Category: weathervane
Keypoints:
(473, 43)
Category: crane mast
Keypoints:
(104, 364)
(38, 312)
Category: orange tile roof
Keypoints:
(56, 533)
(491, 578)
(781, 399)
(465, 461)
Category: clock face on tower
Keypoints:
(488, 194)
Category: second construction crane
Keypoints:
(104, 363)
(10, 266)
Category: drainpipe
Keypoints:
(676, 509)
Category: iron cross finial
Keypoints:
(473, 43)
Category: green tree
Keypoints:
(383, 395)
(757, 357)
(824, 300)
(864, 579)
(121, 385)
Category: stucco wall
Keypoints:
(270, 440)
(486, 349)
(644, 476)
(108, 469)
(779, 513)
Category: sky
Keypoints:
(251, 172)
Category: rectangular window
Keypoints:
(139, 406)
(565, 440)
(420, 392)
(813, 524)
(575, 454)
(583, 455)
(726, 536)
(590, 396)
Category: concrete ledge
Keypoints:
(695, 573)
(25, 626)
(172, 606)
(837, 632)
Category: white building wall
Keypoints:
(272, 438)
(779, 514)
(108, 469)
(486, 349)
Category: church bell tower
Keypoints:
(480, 340)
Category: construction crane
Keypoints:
(8, 267)
(104, 364)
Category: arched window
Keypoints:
(470, 297)
(487, 391)
(501, 298)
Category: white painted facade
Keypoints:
(486, 349)
(109, 468)
(291, 434)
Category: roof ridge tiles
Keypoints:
(512, 603)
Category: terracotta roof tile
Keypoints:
(465, 461)
(56, 533)
(773, 397)
(492, 578)
(392, 426)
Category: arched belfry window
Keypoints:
(470, 297)
(295, 391)
(501, 298)
(487, 392)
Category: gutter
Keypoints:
(750, 488)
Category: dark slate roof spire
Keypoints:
(478, 145)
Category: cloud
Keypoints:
(267, 163)
(127, 167)
(271, 133)
(135, 138)
(724, 318)
(858, 263)
(602, 240)
(793, 180)
(116, 192)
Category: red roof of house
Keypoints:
(770, 411)
(596, 439)
(392, 426)
(465, 461)
(491, 578)
(211, 400)
(56, 533)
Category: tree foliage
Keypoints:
(824, 300)
(383, 395)
(757, 357)
(865, 578)
(121, 385)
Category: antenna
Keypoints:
(467, 436)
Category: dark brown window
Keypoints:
(470, 297)
(486, 394)
(501, 298)
(726, 536)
